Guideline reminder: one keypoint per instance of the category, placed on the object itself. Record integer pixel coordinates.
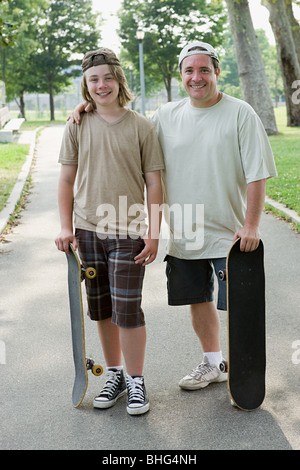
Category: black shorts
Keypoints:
(192, 281)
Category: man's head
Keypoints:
(197, 47)
(199, 71)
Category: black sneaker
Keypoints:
(114, 388)
(138, 402)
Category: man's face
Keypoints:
(200, 80)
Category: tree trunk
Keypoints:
(169, 87)
(254, 84)
(287, 56)
(22, 105)
(295, 26)
(51, 101)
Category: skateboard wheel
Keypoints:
(90, 273)
(97, 369)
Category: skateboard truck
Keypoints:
(95, 368)
(90, 273)
(222, 275)
(223, 366)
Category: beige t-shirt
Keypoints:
(112, 160)
(211, 154)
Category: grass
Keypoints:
(12, 158)
(35, 119)
(32, 125)
(286, 148)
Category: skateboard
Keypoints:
(76, 274)
(246, 326)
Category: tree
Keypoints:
(229, 81)
(168, 25)
(65, 28)
(269, 56)
(295, 26)
(7, 29)
(287, 56)
(7, 38)
(255, 88)
(24, 14)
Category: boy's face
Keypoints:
(102, 86)
(200, 80)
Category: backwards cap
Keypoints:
(99, 57)
(206, 49)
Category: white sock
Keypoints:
(214, 358)
(114, 367)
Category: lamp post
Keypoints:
(131, 82)
(140, 34)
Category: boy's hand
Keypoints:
(64, 238)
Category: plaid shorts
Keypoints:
(116, 291)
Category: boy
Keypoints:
(113, 154)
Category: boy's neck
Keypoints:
(111, 113)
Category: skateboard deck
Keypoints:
(246, 326)
(82, 364)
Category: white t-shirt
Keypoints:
(210, 154)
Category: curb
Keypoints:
(27, 137)
(290, 214)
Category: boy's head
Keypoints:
(100, 57)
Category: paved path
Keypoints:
(36, 368)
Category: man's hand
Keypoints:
(249, 233)
(249, 238)
(149, 252)
(80, 108)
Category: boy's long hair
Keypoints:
(125, 96)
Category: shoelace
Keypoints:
(202, 369)
(111, 384)
(135, 389)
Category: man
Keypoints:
(217, 154)
(217, 157)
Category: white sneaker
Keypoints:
(203, 375)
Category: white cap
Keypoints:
(207, 49)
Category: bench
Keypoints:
(10, 126)
(4, 116)
(14, 125)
